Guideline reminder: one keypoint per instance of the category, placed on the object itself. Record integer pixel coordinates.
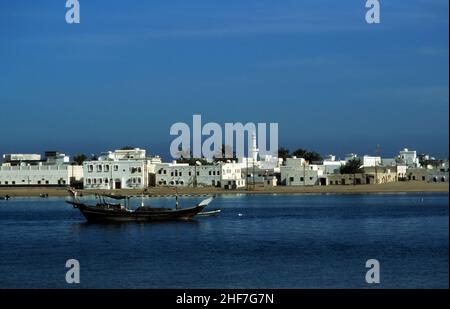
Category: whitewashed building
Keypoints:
(30, 170)
(409, 157)
(369, 161)
(254, 160)
(121, 169)
(227, 175)
(330, 165)
(297, 172)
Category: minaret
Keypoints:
(254, 148)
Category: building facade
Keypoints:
(297, 172)
(30, 170)
(121, 169)
(227, 175)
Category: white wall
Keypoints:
(124, 174)
(223, 174)
(299, 176)
(39, 175)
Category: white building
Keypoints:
(30, 170)
(330, 165)
(296, 172)
(368, 161)
(121, 169)
(21, 157)
(267, 162)
(226, 175)
(409, 157)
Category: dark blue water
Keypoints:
(297, 241)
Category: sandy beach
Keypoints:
(160, 191)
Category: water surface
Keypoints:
(273, 241)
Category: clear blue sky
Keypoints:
(132, 68)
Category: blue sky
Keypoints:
(131, 69)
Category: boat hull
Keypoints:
(96, 214)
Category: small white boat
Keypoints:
(209, 213)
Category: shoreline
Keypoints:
(397, 187)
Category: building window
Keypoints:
(99, 168)
(100, 181)
(302, 179)
(106, 180)
(106, 168)
(46, 182)
(90, 168)
(139, 180)
(291, 179)
(116, 168)
(88, 181)
(181, 174)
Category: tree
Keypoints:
(300, 153)
(283, 153)
(127, 148)
(352, 166)
(309, 156)
(80, 158)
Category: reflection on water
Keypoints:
(272, 241)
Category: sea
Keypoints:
(257, 241)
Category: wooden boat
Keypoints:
(117, 212)
(5, 198)
(214, 212)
